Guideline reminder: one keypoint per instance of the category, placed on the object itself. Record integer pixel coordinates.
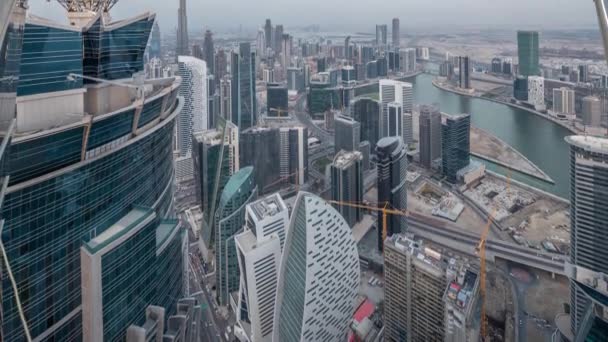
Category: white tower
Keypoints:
(394, 91)
(194, 115)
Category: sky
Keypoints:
(357, 15)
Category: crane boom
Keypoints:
(602, 18)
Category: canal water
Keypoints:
(540, 140)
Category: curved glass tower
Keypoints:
(319, 275)
(84, 154)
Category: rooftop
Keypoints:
(589, 143)
(346, 158)
(123, 225)
(267, 207)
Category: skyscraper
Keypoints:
(347, 134)
(209, 52)
(183, 43)
(229, 220)
(194, 115)
(407, 60)
(278, 38)
(527, 51)
(395, 120)
(408, 129)
(381, 35)
(226, 98)
(536, 91)
(455, 139)
(277, 100)
(286, 43)
(221, 65)
(464, 72)
(592, 111)
(319, 307)
(563, 101)
(347, 48)
(259, 254)
(268, 34)
(367, 112)
(52, 159)
(244, 104)
(155, 42)
(197, 51)
(430, 135)
(260, 148)
(394, 91)
(347, 184)
(260, 44)
(215, 155)
(391, 163)
(396, 33)
(588, 264)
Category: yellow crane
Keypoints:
(279, 111)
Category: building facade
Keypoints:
(464, 72)
(243, 95)
(194, 116)
(527, 51)
(183, 42)
(456, 145)
(347, 184)
(277, 100)
(592, 111)
(381, 35)
(396, 34)
(318, 306)
(394, 91)
(536, 91)
(563, 101)
(347, 134)
(366, 111)
(430, 135)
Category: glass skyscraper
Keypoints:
(244, 103)
(527, 51)
(456, 145)
(80, 168)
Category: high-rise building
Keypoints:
(183, 43)
(563, 101)
(456, 145)
(155, 50)
(197, 51)
(229, 220)
(588, 264)
(226, 98)
(367, 112)
(430, 135)
(536, 91)
(496, 65)
(423, 53)
(395, 120)
(277, 100)
(278, 38)
(446, 69)
(527, 51)
(221, 65)
(520, 88)
(347, 184)
(407, 60)
(592, 111)
(464, 72)
(268, 34)
(507, 66)
(319, 307)
(268, 75)
(347, 134)
(381, 35)
(295, 79)
(321, 64)
(244, 103)
(259, 255)
(349, 76)
(396, 33)
(209, 52)
(286, 46)
(394, 91)
(194, 115)
(260, 44)
(392, 172)
(53, 159)
(347, 48)
(215, 155)
(584, 73)
(408, 129)
(429, 296)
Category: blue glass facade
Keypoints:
(455, 138)
(49, 55)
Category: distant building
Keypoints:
(584, 73)
(366, 111)
(155, 48)
(295, 79)
(574, 76)
(226, 98)
(183, 326)
(277, 100)
(182, 44)
(268, 34)
(430, 135)
(381, 35)
(347, 134)
(209, 52)
(446, 69)
(428, 296)
(347, 184)
(563, 101)
(456, 145)
(321, 64)
(394, 91)
(423, 53)
(194, 116)
(268, 75)
(396, 34)
(392, 190)
(496, 66)
(527, 51)
(259, 250)
(278, 38)
(349, 76)
(229, 220)
(520, 88)
(244, 103)
(507, 66)
(408, 129)
(536, 92)
(322, 97)
(592, 111)
(197, 51)
(318, 307)
(407, 60)
(395, 120)
(464, 72)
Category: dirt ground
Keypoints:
(467, 220)
(544, 300)
(544, 216)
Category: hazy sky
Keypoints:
(360, 15)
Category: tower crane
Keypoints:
(280, 111)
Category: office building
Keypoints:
(277, 100)
(347, 184)
(183, 43)
(295, 79)
(507, 66)
(209, 52)
(52, 159)
(396, 34)
(185, 325)
(244, 103)
(365, 149)
(392, 190)
(592, 111)
(347, 134)
(563, 101)
(520, 88)
(154, 68)
(583, 70)
(408, 129)
(446, 69)
(239, 191)
(496, 65)
(394, 91)
(395, 120)
(268, 34)
(536, 92)
(221, 65)
(194, 116)
(278, 38)
(527, 51)
(259, 255)
(154, 49)
(260, 45)
(423, 53)
(268, 75)
(429, 296)
(407, 60)
(226, 98)
(197, 51)
(286, 46)
(455, 140)
(347, 48)
(321, 64)
(381, 35)
(349, 76)
(319, 307)
(322, 97)
(366, 111)
(464, 72)
(587, 267)
(430, 135)
(215, 155)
